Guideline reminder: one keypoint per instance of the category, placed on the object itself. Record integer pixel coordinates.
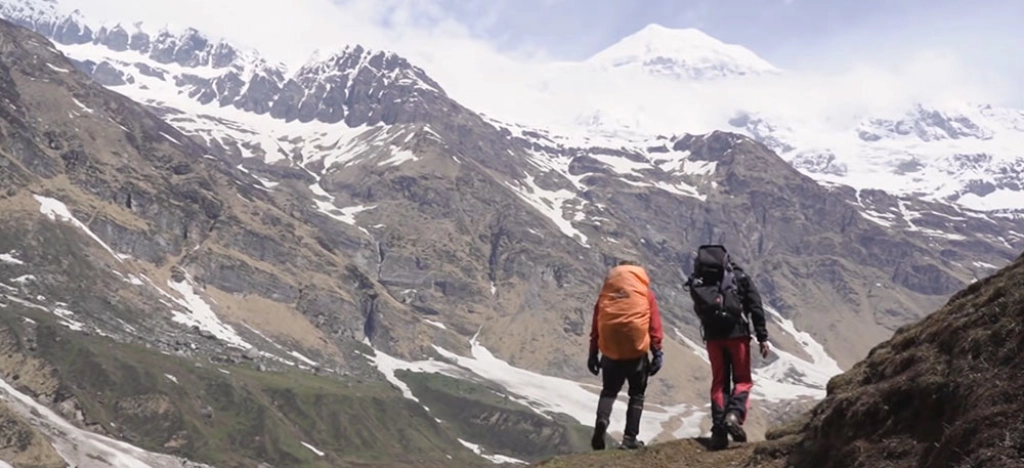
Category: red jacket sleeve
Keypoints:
(593, 331)
(655, 328)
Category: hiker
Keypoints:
(626, 327)
(726, 301)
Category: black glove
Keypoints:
(656, 362)
(594, 363)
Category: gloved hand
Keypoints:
(594, 363)
(655, 362)
(764, 349)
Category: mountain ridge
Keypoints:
(978, 172)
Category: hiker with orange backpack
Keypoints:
(727, 302)
(626, 327)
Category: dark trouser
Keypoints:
(730, 360)
(614, 375)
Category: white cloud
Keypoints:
(290, 31)
(523, 86)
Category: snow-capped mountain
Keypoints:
(971, 155)
(655, 81)
(680, 54)
(659, 80)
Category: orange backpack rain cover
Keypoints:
(624, 313)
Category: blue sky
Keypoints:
(466, 43)
(775, 29)
(804, 34)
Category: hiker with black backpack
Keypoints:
(727, 302)
(626, 327)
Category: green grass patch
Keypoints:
(484, 416)
(242, 417)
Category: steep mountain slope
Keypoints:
(122, 238)
(371, 206)
(940, 393)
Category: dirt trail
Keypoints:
(676, 454)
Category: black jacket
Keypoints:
(752, 308)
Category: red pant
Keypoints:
(730, 360)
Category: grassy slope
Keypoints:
(236, 419)
(482, 416)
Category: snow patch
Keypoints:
(67, 320)
(400, 156)
(10, 258)
(496, 459)
(545, 394)
(57, 211)
(697, 349)
(82, 448)
(200, 314)
(549, 203)
(83, 106)
(170, 138)
(436, 324)
(302, 358)
(346, 215)
(313, 449)
(387, 365)
(266, 182)
(877, 218)
(23, 279)
(790, 376)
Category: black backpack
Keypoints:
(714, 290)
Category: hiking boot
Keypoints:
(719, 439)
(597, 441)
(631, 443)
(735, 427)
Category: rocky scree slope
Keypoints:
(939, 393)
(121, 239)
(541, 216)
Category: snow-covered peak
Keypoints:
(49, 9)
(687, 54)
(163, 43)
(349, 57)
(356, 60)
